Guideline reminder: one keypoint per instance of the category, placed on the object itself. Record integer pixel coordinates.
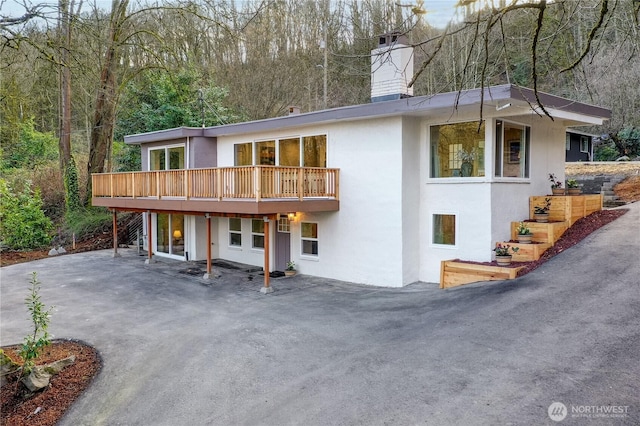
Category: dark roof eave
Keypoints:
(413, 105)
(164, 135)
(557, 102)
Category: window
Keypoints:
(457, 150)
(289, 152)
(444, 229)
(257, 233)
(584, 144)
(567, 142)
(284, 224)
(243, 154)
(512, 150)
(157, 159)
(266, 153)
(235, 232)
(169, 158)
(315, 151)
(311, 151)
(309, 238)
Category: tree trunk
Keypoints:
(64, 142)
(104, 117)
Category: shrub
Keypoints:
(34, 342)
(23, 224)
(88, 221)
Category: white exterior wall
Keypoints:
(382, 234)
(412, 138)
(245, 253)
(362, 242)
(198, 242)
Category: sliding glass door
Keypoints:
(170, 234)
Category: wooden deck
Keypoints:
(222, 189)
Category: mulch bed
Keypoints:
(572, 236)
(576, 233)
(99, 242)
(46, 407)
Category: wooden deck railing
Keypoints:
(250, 182)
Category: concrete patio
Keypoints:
(178, 349)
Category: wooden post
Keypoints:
(208, 244)
(266, 289)
(258, 181)
(115, 233)
(149, 240)
(300, 184)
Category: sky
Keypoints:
(439, 12)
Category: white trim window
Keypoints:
(235, 232)
(171, 157)
(284, 224)
(444, 229)
(291, 151)
(512, 150)
(309, 238)
(257, 234)
(457, 150)
(584, 144)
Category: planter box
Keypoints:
(568, 207)
(547, 233)
(527, 252)
(454, 273)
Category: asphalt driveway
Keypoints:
(177, 350)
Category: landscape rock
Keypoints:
(53, 252)
(61, 250)
(40, 375)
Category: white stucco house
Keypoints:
(378, 193)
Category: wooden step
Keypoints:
(568, 207)
(548, 232)
(527, 252)
(454, 273)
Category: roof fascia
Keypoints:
(164, 135)
(558, 103)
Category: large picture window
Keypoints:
(512, 150)
(315, 151)
(457, 150)
(311, 151)
(266, 153)
(168, 158)
(444, 229)
(289, 152)
(243, 154)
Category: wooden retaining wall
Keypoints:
(548, 232)
(568, 207)
(564, 211)
(454, 273)
(527, 252)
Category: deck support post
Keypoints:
(208, 276)
(267, 288)
(149, 240)
(115, 233)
